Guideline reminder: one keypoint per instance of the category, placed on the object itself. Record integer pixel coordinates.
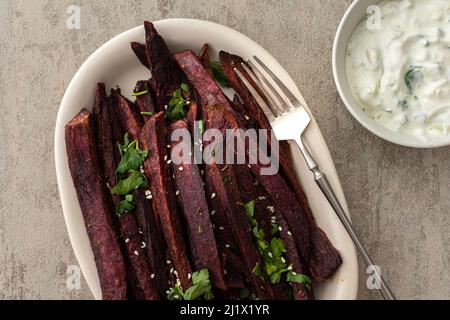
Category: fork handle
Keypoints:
(325, 186)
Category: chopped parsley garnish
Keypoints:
(201, 287)
(126, 205)
(403, 104)
(180, 99)
(134, 180)
(138, 94)
(219, 74)
(275, 265)
(130, 176)
(146, 113)
(412, 77)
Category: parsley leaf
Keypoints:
(132, 160)
(138, 94)
(219, 74)
(126, 205)
(299, 278)
(180, 98)
(201, 286)
(135, 180)
(257, 271)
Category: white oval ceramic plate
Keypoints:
(114, 63)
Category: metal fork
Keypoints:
(289, 119)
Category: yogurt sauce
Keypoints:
(399, 70)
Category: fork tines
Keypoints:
(274, 98)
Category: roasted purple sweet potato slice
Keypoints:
(224, 181)
(153, 139)
(128, 115)
(232, 263)
(229, 62)
(191, 196)
(257, 118)
(104, 133)
(144, 97)
(84, 165)
(208, 90)
(140, 51)
(148, 221)
(144, 286)
(153, 241)
(166, 74)
(204, 58)
(264, 212)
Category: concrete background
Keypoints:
(398, 197)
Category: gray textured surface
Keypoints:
(398, 197)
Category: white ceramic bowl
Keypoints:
(354, 15)
(115, 64)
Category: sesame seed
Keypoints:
(168, 262)
(167, 292)
(175, 272)
(171, 270)
(177, 192)
(165, 157)
(143, 244)
(180, 168)
(168, 146)
(280, 228)
(176, 296)
(152, 276)
(140, 232)
(283, 260)
(247, 117)
(107, 185)
(213, 212)
(166, 107)
(271, 209)
(169, 161)
(262, 198)
(221, 228)
(147, 192)
(290, 268)
(225, 272)
(136, 253)
(189, 275)
(249, 165)
(178, 282)
(213, 195)
(227, 246)
(294, 273)
(270, 254)
(127, 240)
(289, 233)
(202, 172)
